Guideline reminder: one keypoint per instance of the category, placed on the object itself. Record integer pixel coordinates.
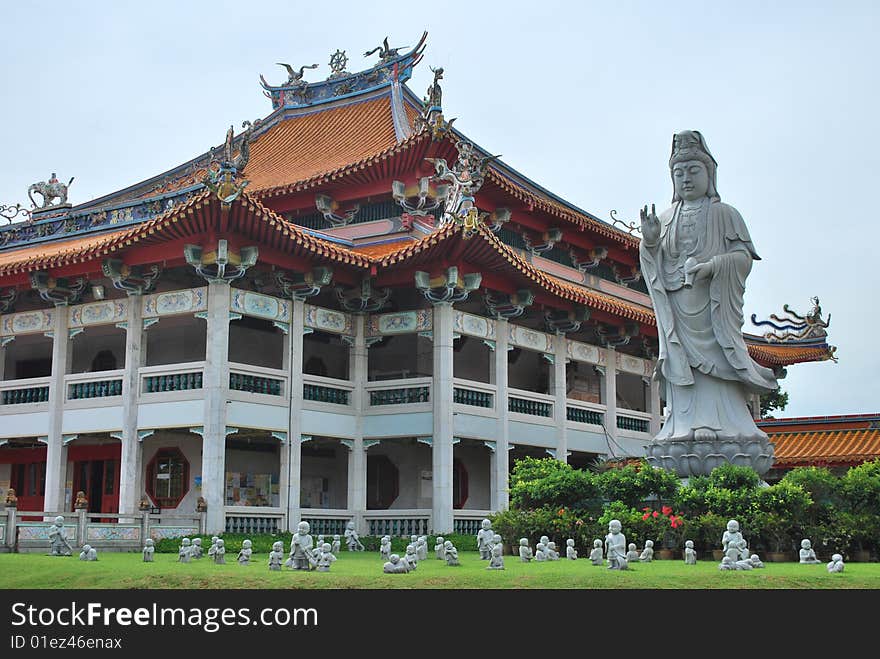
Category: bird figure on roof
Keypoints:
(294, 77)
(386, 53)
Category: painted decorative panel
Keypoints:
(260, 306)
(160, 532)
(98, 313)
(630, 364)
(404, 322)
(111, 532)
(27, 322)
(465, 323)
(175, 302)
(328, 320)
(38, 531)
(526, 338)
(583, 352)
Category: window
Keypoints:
(459, 484)
(383, 482)
(168, 477)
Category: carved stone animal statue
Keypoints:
(50, 190)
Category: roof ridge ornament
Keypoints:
(794, 327)
(49, 191)
(9, 213)
(386, 53)
(223, 176)
(431, 119)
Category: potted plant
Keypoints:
(666, 526)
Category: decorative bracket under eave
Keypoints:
(508, 306)
(59, 291)
(549, 238)
(363, 298)
(329, 208)
(130, 279)
(7, 300)
(303, 285)
(618, 336)
(588, 261)
(626, 274)
(497, 219)
(419, 201)
(563, 322)
(223, 264)
(449, 287)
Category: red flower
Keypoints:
(666, 510)
(646, 508)
(655, 514)
(645, 516)
(561, 512)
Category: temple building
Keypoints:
(347, 311)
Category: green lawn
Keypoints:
(364, 570)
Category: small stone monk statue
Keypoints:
(385, 547)
(836, 564)
(451, 554)
(88, 553)
(148, 550)
(496, 562)
(525, 552)
(440, 548)
(570, 551)
(276, 556)
(395, 565)
(632, 554)
(807, 553)
(596, 553)
(648, 552)
(690, 554)
(220, 553)
(57, 540)
(615, 542)
(244, 556)
(184, 553)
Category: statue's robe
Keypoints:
(703, 359)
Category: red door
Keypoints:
(96, 473)
(28, 479)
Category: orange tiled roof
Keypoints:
(825, 447)
(780, 354)
(379, 251)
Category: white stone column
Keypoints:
(357, 464)
(441, 396)
(56, 452)
(131, 461)
(500, 459)
(560, 389)
(294, 423)
(284, 449)
(2, 362)
(654, 405)
(609, 392)
(216, 391)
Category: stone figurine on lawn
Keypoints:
(570, 551)
(496, 562)
(756, 561)
(596, 553)
(148, 550)
(244, 556)
(525, 552)
(411, 558)
(690, 554)
(807, 553)
(88, 553)
(733, 543)
(632, 553)
(324, 558)
(336, 545)
(484, 540)
(395, 565)
(540, 552)
(184, 553)
(648, 552)
(58, 544)
(440, 548)
(352, 540)
(220, 553)
(422, 548)
(552, 554)
(196, 547)
(615, 544)
(836, 564)
(213, 547)
(385, 547)
(451, 554)
(300, 548)
(276, 556)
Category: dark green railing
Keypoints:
(404, 396)
(100, 389)
(629, 423)
(471, 397)
(580, 415)
(531, 407)
(26, 395)
(254, 384)
(322, 394)
(154, 384)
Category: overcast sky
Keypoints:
(581, 97)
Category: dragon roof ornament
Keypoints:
(392, 66)
(794, 328)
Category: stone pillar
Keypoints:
(560, 389)
(441, 396)
(216, 391)
(500, 461)
(56, 452)
(131, 462)
(357, 464)
(294, 422)
(2, 362)
(609, 392)
(654, 405)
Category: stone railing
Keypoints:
(633, 420)
(172, 378)
(578, 411)
(254, 522)
(94, 385)
(21, 392)
(327, 522)
(327, 390)
(256, 380)
(474, 394)
(397, 523)
(399, 392)
(530, 403)
(467, 522)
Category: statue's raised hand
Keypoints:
(650, 226)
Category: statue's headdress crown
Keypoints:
(690, 145)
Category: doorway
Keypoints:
(99, 480)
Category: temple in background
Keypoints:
(349, 310)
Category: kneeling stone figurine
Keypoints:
(552, 554)
(496, 561)
(440, 548)
(570, 551)
(244, 556)
(88, 553)
(807, 553)
(632, 553)
(324, 558)
(185, 551)
(196, 548)
(525, 552)
(648, 552)
(596, 552)
(836, 564)
(451, 553)
(385, 547)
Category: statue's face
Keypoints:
(691, 179)
(733, 526)
(614, 526)
(805, 544)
